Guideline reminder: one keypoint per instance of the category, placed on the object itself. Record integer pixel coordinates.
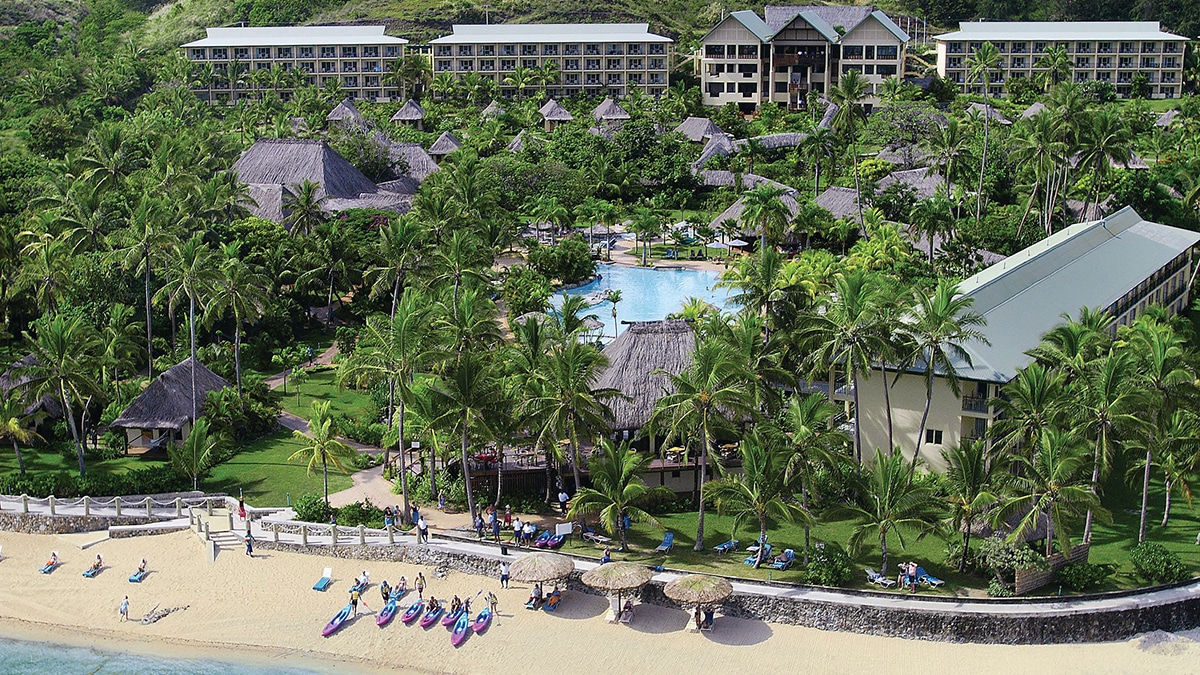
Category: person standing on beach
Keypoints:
(420, 584)
(125, 609)
(249, 544)
(354, 601)
(491, 601)
(503, 574)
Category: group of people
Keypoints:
(908, 576)
(537, 599)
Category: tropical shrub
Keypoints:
(828, 565)
(1003, 558)
(1154, 563)
(310, 509)
(1082, 576)
(525, 290)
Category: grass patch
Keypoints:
(322, 386)
(264, 476)
(42, 460)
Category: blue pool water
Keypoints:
(649, 294)
(18, 657)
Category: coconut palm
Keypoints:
(521, 78)
(192, 272)
(980, 65)
(618, 490)
(703, 398)
(765, 211)
(949, 146)
(16, 426)
(761, 492)
(64, 351)
(320, 445)
(242, 292)
(891, 504)
(814, 444)
(402, 252)
(613, 297)
(938, 326)
(1051, 487)
(820, 146)
(198, 452)
(846, 94)
(1104, 141)
(972, 483)
(1055, 64)
(761, 357)
(1028, 406)
(469, 392)
(303, 206)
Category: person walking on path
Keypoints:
(422, 530)
(496, 529)
(125, 609)
(563, 498)
(416, 515)
(249, 544)
(420, 584)
(442, 502)
(503, 575)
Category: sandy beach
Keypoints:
(263, 609)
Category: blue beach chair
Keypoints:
(728, 546)
(667, 544)
(928, 579)
(789, 557)
(325, 580)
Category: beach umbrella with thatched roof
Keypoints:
(617, 577)
(698, 589)
(536, 567)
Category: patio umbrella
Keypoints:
(698, 589)
(717, 244)
(617, 577)
(536, 567)
(738, 242)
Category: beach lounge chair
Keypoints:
(595, 538)
(758, 543)
(325, 580)
(626, 615)
(706, 623)
(728, 546)
(878, 579)
(667, 544)
(928, 579)
(789, 557)
(766, 554)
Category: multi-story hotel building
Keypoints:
(749, 60)
(594, 59)
(355, 57)
(1108, 51)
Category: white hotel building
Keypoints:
(356, 57)
(1108, 51)
(593, 59)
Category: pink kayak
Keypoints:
(414, 610)
(336, 622)
(483, 620)
(462, 627)
(431, 617)
(449, 619)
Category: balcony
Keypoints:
(977, 404)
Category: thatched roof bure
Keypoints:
(343, 112)
(167, 402)
(608, 110)
(445, 144)
(698, 128)
(553, 111)
(411, 111)
(493, 109)
(291, 161)
(645, 347)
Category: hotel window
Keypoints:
(1149, 47)
(443, 66)
(852, 52)
(443, 50)
(370, 52)
(487, 50)
(658, 64)
(657, 49)
(220, 54)
(529, 50)
(550, 50)
(1170, 47)
(349, 67)
(371, 81)
(529, 63)
(1019, 47)
(328, 52)
(198, 54)
(635, 64)
(284, 53)
(241, 53)
(887, 52)
(349, 52)
(466, 65)
(572, 78)
(612, 64)
(1039, 47)
(1104, 47)
(350, 81)
(391, 52)
(262, 66)
(635, 78)
(1083, 47)
(487, 64)
(933, 436)
(306, 52)
(592, 50)
(885, 71)
(571, 50)
(1083, 62)
(591, 64)
(328, 67)
(370, 66)
(1128, 48)
(307, 66)
(508, 50)
(571, 64)
(507, 65)
(615, 49)
(262, 52)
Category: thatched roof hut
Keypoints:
(827, 119)
(493, 109)
(735, 210)
(17, 378)
(698, 128)
(1034, 110)
(554, 114)
(444, 145)
(410, 162)
(907, 155)
(633, 358)
(411, 113)
(718, 145)
(1166, 119)
(923, 183)
(772, 141)
(842, 202)
(991, 113)
(749, 181)
(166, 404)
(291, 161)
(518, 143)
(344, 112)
(536, 567)
(609, 111)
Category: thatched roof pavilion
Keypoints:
(842, 202)
(518, 143)
(291, 161)
(749, 181)
(697, 129)
(827, 119)
(1166, 119)
(554, 114)
(444, 145)
(1033, 110)
(720, 144)
(165, 405)
(734, 212)
(906, 155)
(991, 113)
(344, 112)
(609, 111)
(493, 109)
(411, 113)
(924, 183)
(633, 358)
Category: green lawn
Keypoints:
(265, 476)
(43, 460)
(322, 386)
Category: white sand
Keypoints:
(267, 605)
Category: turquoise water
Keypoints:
(650, 294)
(18, 657)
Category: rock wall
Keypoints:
(35, 523)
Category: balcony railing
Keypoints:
(977, 404)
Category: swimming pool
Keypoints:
(649, 294)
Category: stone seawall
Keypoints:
(1034, 623)
(36, 523)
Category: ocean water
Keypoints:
(19, 657)
(649, 294)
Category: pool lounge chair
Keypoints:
(766, 555)
(878, 579)
(325, 580)
(667, 544)
(728, 546)
(596, 538)
(928, 579)
(789, 557)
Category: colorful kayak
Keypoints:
(555, 541)
(544, 540)
(336, 622)
(461, 627)
(414, 610)
(449, 619)
(431, 617)
(483, 620)
(359, 586)
(388, 611)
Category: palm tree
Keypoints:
(198, 452)
(814, 444)
(971, 481)
(1050, 487)
(1056, 63)
(613, 297)
(647, 223)
(711, 388)
(241, 291)
(15, 425)
(847, 335)
(1027, 407)
(1104, 141)
(980, 65)
(765, 210)
(415, 72)
(469, 392)
(64, 358)
(569, 404)
(932, 218)
(303, 206)
(758, 280)
(445, 84)
(193, 273)
(891, 502)
(761, 492)
(402, 251)
(948, 145)
(846, 94)
(939, 325)
(550, 211)
(618, 490)
(459, 262)
(320, 445)
(521, 78)
(760, 354)
(820, 146)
